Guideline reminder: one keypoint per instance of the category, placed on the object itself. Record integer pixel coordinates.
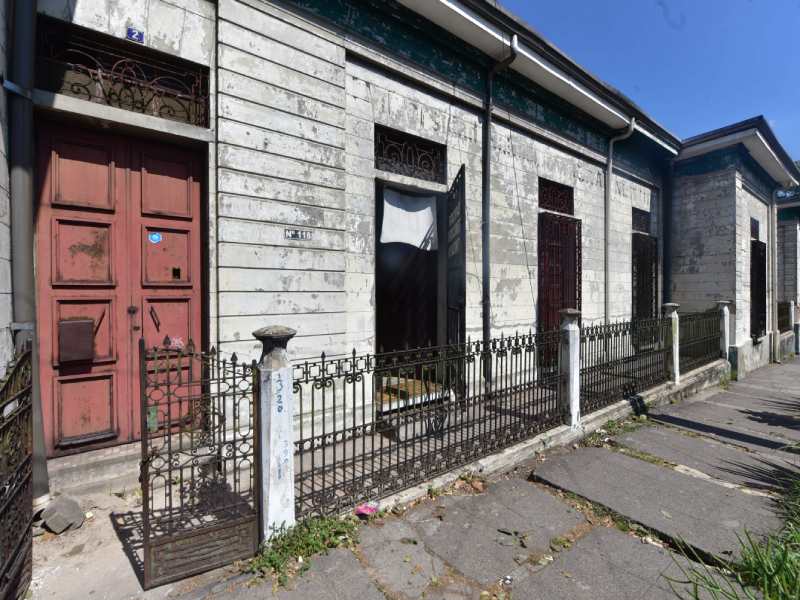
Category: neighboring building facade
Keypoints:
(789, 245)
(725, 232)
(285, 175)
(6, 340)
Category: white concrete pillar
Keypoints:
(671, 312)
(724, 328)
(569, 362)
(275, 430)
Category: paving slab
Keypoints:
(702, 513)
(396, 558)
(606, 564)
(337, 575)
(763, 472)
(759, 430)
(467, 531)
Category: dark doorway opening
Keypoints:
(406, 282)
(420, 267)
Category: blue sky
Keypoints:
(692, 65)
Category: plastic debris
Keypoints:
(366, 510)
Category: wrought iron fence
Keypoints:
(16, 483)
(622, 359)
(199, 457)
(784, 317)
(699, 339)
(371, 425)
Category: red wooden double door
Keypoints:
(118, 257)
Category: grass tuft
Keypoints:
(768, 568)
(287, 553)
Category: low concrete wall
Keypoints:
(691, 383)
(787, 344)
(749, 357)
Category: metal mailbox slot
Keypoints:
(75, 340)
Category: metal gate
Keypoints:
(199, 461)
(16, 482)
(645, 276)
(559, 268)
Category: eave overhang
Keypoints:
(764, 153)
(487, 36)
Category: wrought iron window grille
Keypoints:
(640, 220)
(409, 155)
(94, 67)
(556, 197)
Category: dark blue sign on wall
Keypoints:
(135, 35)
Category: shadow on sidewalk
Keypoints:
(727, 434)
(129, 528)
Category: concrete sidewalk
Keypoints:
(702, 471)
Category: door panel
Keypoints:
(559, 250)
(456, 260)
(82, 252)
(86, 409)
(645, 276)
(166, 255)
(101, 312)
(83, 171)
(118, 240)
(165, 209)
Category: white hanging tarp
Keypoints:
(409, 220)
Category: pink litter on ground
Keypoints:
(367, 509)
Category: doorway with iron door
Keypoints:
(118, 254)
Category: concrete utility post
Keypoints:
(276, 430)
(724, 328)
(671, 312)
(570, 365)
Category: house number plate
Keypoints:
(297, 234)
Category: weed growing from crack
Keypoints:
(288, 551)
(603, 435)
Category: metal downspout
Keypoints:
(666, 220)
(607, 216)
(486, 204)
(21, 160)
(773, 260)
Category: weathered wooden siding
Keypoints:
(281, 153)
(296, 150)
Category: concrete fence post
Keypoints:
(569, 362)
(724, 328)
(275, 406)
(671, 312)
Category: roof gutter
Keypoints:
(491, 39)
